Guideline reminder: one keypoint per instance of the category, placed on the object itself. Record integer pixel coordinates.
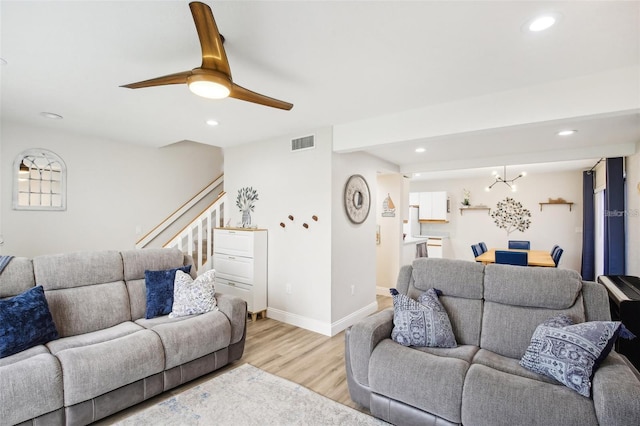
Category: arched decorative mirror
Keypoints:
(39, 181)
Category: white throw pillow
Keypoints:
(191, 296)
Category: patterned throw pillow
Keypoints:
(191, 296)
(421, 323)
(571, 353)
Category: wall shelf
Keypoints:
(565, 203)
(488, 209)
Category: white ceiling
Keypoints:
(337, 61)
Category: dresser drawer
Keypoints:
(233, 267)
(237, 243)
(238, 289)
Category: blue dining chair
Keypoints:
(519, 244)
(483, 246)
(557, 255)
(520, 258)
(477, 251)
(553, 250)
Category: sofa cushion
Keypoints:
(466, 282)
(99, 336)
(191, 296)
(30, 384)
(159, 286)
(571, 353)
(507, 330)
(16, 277)
(464, 352)
(80, 310)
(25, 321)
(187, 338)
(92, 370)
(429, 382)
(508, 365)
(136, 262)
(549, 288)
(421, 323)
(58, 271)
(491, 397)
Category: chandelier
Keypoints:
(503, 179)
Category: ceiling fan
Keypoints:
(213, 78)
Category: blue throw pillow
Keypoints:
(25, 322)
(571, 353)
(160, 290)
(422, 322)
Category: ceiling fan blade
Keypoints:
(243, 94)
(213, 54)
(177, 78)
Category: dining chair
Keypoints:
(477, 251)
(520, 258)
(557, 255)
(483, 246)
(553, 250)
(519, 244)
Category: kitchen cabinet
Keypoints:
(240, 261)
(433, 206)
(434, 247)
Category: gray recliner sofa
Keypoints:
(494, 311)
(109, 356)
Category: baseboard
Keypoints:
(353, 318)
(327, 329)
(300, 321)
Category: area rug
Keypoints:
(249, 396)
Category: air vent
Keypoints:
(306, 142)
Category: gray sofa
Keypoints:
(494, 311)
(108, 356)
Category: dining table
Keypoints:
(534, 257)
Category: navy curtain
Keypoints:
(614, 212)
(588, 226)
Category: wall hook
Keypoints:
(305, 225)
(282, 224)
(314, 217)
(290, 217)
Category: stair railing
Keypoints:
(196, 239)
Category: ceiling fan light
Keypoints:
(209, 89)
(209, 86)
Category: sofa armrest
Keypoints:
(616, 392)
(236, 310)
(364, 336)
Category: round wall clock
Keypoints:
(357, 199)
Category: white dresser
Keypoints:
(240, 261)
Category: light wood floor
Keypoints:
(310, 359)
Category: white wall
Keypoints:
(553, 225)
(632, 166)
(389, 251)
(319, 264)
(297, 184)
(353, 248)
(112, 189)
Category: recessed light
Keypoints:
(416, 175)
(566, 132)
(541, 23)
(51, 115)
(212, 123)
(420, 150)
